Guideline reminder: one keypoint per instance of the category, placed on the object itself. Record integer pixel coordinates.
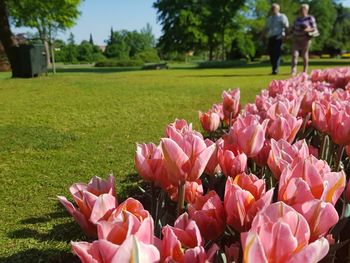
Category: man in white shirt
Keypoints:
(277, 25)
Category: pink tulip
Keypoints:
(311, 95)
(131, 206)
(192, 191)
(96, 201)
(283, 153)
(231, 161)
(284, 108)
(244, 197)
(314, 151)
(284, 127)
(199, 255)
(340, 125)
(149, 164)
(250, 109)
(186, 158)
(218, 109)
(210, 121)
(248, 134)
(321, 216)
(208, 212)
(317, 75)
(276, 87)
(263, 101)
(232, 252)
(119, 229)
(179, 125)
(321, 116)
(231, 105)
(280, 234)
(261, 158)
(103, 251)
(213, 166)
(185, 233)
(178, 129)
(310, 179)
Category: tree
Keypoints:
(91, 41)
(47, 17)
(71, 52)
(326, 14)
(6, 38)
(222, 17)
(125, 44)
(85, 52)
(196, 24)
(341, 30)
(181, 25)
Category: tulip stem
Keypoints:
(181, 199)
(306, 120)
(324, 144)
(338, 158)
(230, 120)
(153, 201)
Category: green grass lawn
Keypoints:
(62, 129)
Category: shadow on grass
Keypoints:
(64, 232)
(36, 255)
(60, 232)
(233, 75)
(338, 62)
(203, 65)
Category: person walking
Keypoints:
(303, 30)
(276, 26)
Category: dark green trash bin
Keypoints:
(31, 61)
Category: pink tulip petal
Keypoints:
(195, 255)
(313, 252)
(68, 205)
(334, 186)
(79, 217)
(107, 250)
(175, 159)
(87, 252)
(284, 242)
(103, 207)
(201, 162)
(133, 251)
(253, 251)
(321, 216)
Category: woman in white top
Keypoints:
(303, 29)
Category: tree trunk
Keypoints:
(47, 51)
(43, 36)
(6, 37)
(223, 45)
(53, 58)
(211, 49)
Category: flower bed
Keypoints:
(267, 183)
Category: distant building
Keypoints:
(102, 48)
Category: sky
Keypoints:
(98, 16)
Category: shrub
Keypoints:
(119, 63)
(222, 64)
(148, 56)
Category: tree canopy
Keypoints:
(235, 28)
